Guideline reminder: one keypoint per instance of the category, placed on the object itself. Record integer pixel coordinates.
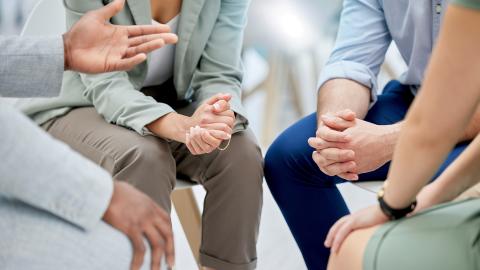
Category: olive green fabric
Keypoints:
(475, 4)
(445, 237)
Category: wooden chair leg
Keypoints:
(190, 218)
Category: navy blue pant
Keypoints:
(309, 199)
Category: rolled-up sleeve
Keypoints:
(362, 42)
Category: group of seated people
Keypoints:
(151, 92)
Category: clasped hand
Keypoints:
(346, 146)
(213, 123)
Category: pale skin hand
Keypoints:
(327, 153)
(365, 218)
(462, 174)
(205, 139)
(369, 147)
(347, 146)
(372, 145)
(338, 95)
(93, 45)
(457, 178)
(340, 102)
(213, 116)
(436, 110)
(137, 216)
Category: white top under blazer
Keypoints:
(160, 67)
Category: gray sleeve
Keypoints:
(31, 66)
(47, 174)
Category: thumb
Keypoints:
(347, 115)
(110, 10)
(221, 106)
(336, 122)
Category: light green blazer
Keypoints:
(207, 61)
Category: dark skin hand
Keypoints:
(111, 47)
(136, 215)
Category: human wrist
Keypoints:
(111, 204)
(390, 205)
(172, 126)
(448, 187)
(66, 51)
(390, 137)
(439, 192)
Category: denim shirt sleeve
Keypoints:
(362, 42)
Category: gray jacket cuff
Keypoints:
(31, 66)
(45, 173)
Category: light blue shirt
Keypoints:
(367, 28)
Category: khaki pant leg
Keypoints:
(144, 161)
(233, 181)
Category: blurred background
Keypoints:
(286, 44)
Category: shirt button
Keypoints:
(438, 8)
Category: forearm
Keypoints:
(439, 116)
(172, 126)
(392, 133)
(473, 127)
(462, 174)
(414, 163)
(340, 94)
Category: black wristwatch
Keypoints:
(390, 212)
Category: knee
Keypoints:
(241, 163)
(289, 159)
(287, 153)
(148, 158)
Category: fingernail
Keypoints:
(216, 106)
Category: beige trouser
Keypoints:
(232, 179)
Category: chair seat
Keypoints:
(183, 184)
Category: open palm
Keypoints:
(93, 45)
